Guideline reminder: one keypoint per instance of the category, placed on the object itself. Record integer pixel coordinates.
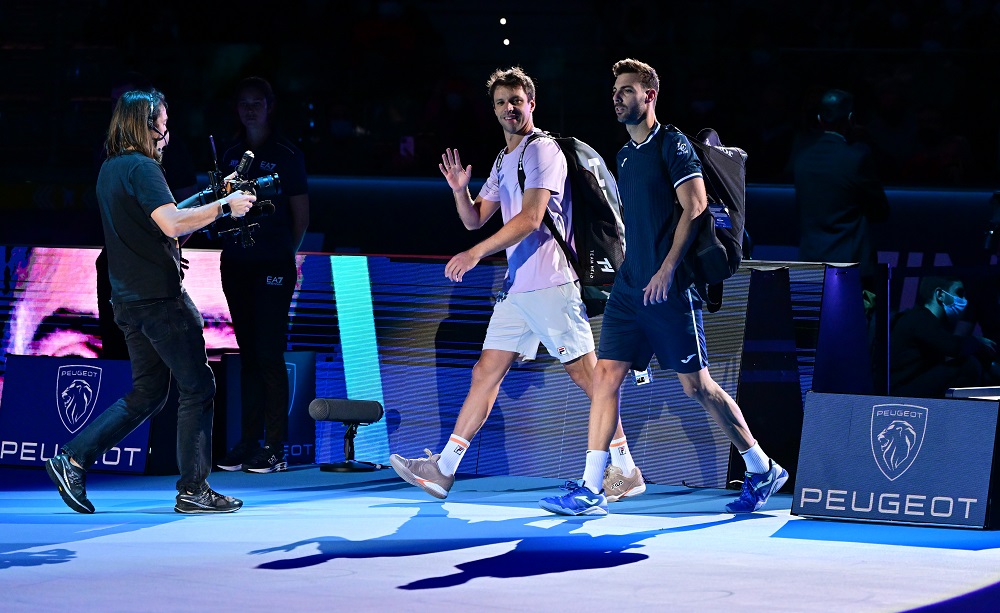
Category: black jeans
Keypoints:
(164, 337)
(259, 296)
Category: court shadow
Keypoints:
(543, 545)
(35, 558)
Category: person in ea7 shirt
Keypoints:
(259, 281)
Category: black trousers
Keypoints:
(259, 296)
(165, 338)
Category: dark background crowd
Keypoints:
(381, 87)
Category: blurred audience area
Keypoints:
(378, 88)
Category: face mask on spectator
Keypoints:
(954, 310)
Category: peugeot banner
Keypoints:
(899, 460)
(47, 401)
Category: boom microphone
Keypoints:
(348, 411)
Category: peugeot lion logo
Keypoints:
(77, 388)
(897, 433)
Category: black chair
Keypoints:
(352, 413)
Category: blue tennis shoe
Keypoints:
(757, 488)
(577, 501)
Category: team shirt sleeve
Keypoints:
(681, 160)
(150, 186)
(545, 166)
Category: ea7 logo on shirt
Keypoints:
(274, 281)
(264, 166)
(682, 148)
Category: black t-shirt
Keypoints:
(273, 238)
(143, 262)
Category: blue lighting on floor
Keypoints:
(884, 534)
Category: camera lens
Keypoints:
(268, 186)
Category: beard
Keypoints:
(631, 115)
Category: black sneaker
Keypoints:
(71, 481)
(206, 501)
(238, 455)
(268, 459)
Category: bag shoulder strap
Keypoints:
(547, 220)
(574, 262)
(520, 160)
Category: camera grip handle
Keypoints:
(245, 162)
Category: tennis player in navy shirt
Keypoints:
(653, 308)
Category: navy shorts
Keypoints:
(632, 332)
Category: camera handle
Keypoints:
(218, 188)
(246, 238)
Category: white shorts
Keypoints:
(554, 316)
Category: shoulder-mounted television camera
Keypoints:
(240, 228)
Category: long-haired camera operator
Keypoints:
(162, 326)
(258, 277)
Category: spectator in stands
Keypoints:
(926, 356)
(838, 192)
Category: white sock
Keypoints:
(756, 460)
(593, 474)
(622, 457)
(452, 454)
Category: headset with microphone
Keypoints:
(154, 102)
